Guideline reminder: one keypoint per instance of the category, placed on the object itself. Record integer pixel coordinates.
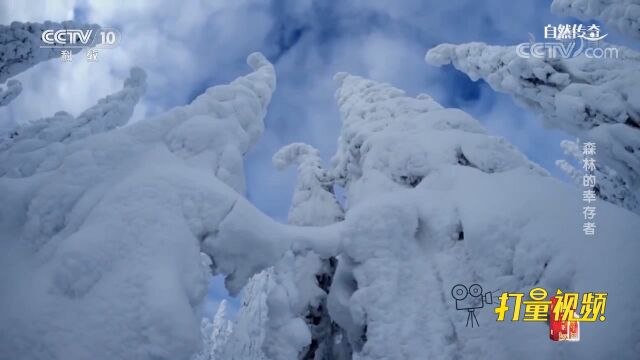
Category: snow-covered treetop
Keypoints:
(379, 130)
(313, 202)
(623, 15)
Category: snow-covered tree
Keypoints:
(593, 99)
(20, 49)
(292, 306)
(246, 341)
(434, 201)
(105, 224)
(215, 334)
(314, 201)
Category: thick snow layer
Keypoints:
(623, 15)
(596, 100)
(456, 205)
(102, 227)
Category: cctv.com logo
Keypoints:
(471, 299)
(564, 50)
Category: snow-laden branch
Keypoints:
(20, 49)
(623, 15)
(593, 99)
(33, 146)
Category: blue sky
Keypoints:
(188, 48)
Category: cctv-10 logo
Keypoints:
(70, 38)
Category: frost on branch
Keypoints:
(623, 15)
(106, 225)
(20, 49)
(434, 201)
(594, 99)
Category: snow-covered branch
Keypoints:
(20, 49)
(593, 99)
(623, 15)
(43, 138)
